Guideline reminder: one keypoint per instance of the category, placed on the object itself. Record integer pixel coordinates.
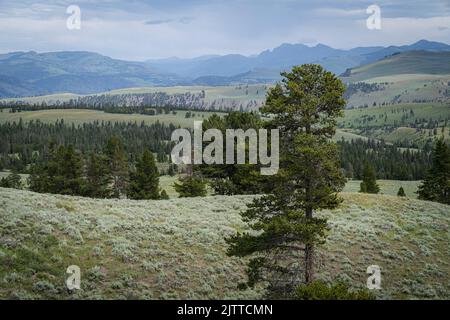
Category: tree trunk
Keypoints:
(309, 263)
(309, 254)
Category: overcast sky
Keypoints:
(140, 30)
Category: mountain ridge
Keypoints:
(28, 73)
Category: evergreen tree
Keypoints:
(97, 177)
(70, 174)
(118, 166)
(164, 195)
(436, 186)
(190, 186)
(144, 182)
(172, 170)
(305, 107)
(13, 180)
(401, 192)
(61, 174)
(369, 182)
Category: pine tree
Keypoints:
(144, 182)
(97, 177)
(401, 192)
(118, 166)
(190, 186)
(369, 182)
(304, 107)
(436, 186)
(172, 170)
(164, 195)
(71, 172)
(13, 180)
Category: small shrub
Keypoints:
(318, 290)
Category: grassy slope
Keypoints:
(404, 88)
(371, 122)
(417, 62)
(175, 248)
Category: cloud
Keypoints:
(188, 28)
(182, 20)
(155, 22)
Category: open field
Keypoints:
(80, 116)
(175, 249)
(227, 95)
(388, 187)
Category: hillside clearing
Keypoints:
(175, 248)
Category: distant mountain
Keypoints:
(410, 62)
(238, 68)
(31, 73)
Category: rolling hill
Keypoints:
(174, 248)
(413, 62)
(30, 73)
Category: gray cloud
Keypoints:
(183, 20)
(188, 28)
(152, 22)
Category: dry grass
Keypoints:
(175, 248)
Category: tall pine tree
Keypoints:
(436, 186)
(118, 166)
(305, 107)
(369, 181)
(97, 177)
(144, 182)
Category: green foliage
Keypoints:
(390, 162)
(97, 177)
(304, 107)
(12, 181)
(191, 186)
(118, 166)
(401, 192)
(172, 170)
(144, 182)
(63, 173)
(436, 186)
(229, 179)
(164, 195)
(29, 141)
(369, 182)
(318, 290)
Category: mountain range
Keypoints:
(31, 73)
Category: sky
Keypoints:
(140, 30)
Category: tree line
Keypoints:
(107, 174)
(25, 143)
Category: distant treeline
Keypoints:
(138, 102)
(25, 143)
(389, 161)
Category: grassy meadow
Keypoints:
(175, 248)
(80, 116)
